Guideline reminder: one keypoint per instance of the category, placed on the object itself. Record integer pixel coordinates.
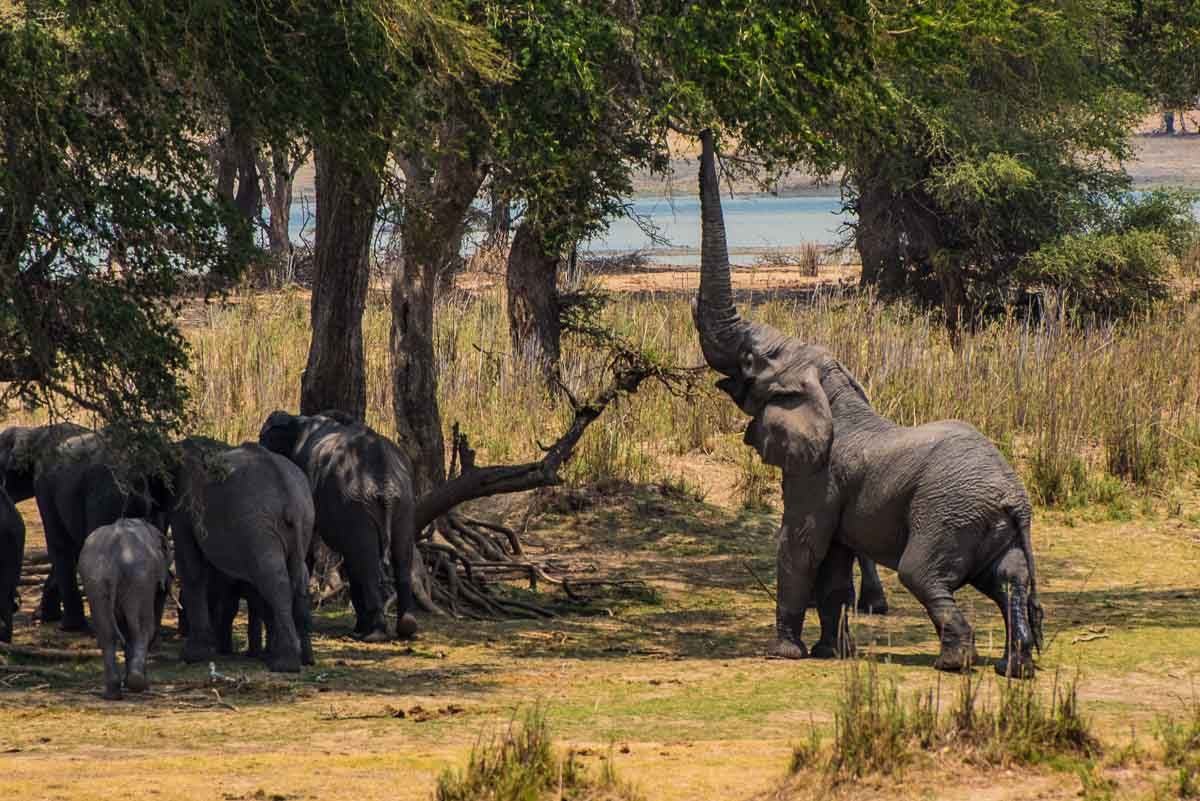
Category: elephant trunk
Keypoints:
(721, 329)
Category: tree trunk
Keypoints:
(877, 239)
(533, 299)
(435, 208)
(247, 200)
(348, 194)
(499, 220)
(277, 180)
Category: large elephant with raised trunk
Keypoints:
(936, 502)
(363, 494)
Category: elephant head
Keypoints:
(774, 378)
(280, 432)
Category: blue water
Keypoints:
(750, 222)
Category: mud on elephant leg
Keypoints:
(1007, 583)
(835, 599)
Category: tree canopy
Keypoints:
(106, 211)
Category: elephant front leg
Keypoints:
(802, 546)
(835, 598)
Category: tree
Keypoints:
(996, 130)
(106, 213)
(1163, 41)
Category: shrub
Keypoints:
(523, 765)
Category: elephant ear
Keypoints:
(279, 432)
(792, 426)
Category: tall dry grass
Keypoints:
(1084, 410)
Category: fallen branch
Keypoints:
(30, 652)
(33, 670)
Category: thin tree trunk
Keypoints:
(348, 194)
(277, 179)
(533, 318)
(435, 208)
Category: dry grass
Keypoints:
(1085, 410)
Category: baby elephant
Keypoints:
(124, 572)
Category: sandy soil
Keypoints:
(677, 683)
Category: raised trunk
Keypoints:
(721, 329)
(348, 194)
(435, 209)
(531, 279)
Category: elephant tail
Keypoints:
(1023, 519)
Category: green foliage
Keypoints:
(523, 765)
(1163, 40)
(994, 163)
(1113, 275)
(106, 212)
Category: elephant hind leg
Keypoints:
(871, 598)
(1007, 583)
(138, 616)
(835, 598)
(108, 636)
(275, 585)
(936, 594)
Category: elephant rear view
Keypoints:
(124, 571)
(363, 493)
(243, 514)
(12, 552)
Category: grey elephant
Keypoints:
(244, 515)
(124, 567)
(936, 502)
(69, 471)
(12, 553)
(363, 493)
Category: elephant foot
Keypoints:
(194, 652)
(75, 625)
(824, 650)
(873, 606)
(47, 614)
(136, 682)
(406, 627)
(376, 636)
(284, 664)
(1016, 667)
(786, 649)
(957, 657)
(112, 692)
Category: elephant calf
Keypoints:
(124, 572)
(12, 552)
(363, 495)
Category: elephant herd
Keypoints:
(241, 520)
(938, 503)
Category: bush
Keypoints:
(1107, 274)
(523, 765)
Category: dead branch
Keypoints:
(33, 670)
(30, 652)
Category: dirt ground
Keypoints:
(672, 680)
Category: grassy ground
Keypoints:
(675, 680)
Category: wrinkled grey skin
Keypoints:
(938, 503)
(362, 490)
(12, 553)
(65, 467)
(245, 515)
(124, 572)
(871, 599)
